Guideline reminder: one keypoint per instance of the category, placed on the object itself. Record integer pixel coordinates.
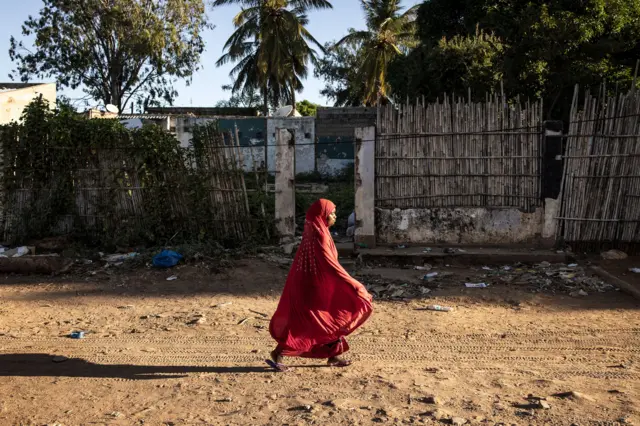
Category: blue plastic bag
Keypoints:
(166, 259)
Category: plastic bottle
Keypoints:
(438, 308)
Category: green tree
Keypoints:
(548, 46)
(339, 69)
(271, 47)
(389, 34)
(307, 109)
(116, 50)
(248, 99)
(453, 66)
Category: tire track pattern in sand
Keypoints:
(595, 353)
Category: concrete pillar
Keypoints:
(552, 169)
(285, 185)
(551, 211)
(2, 192)
(365, 156)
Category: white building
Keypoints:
(14, 97)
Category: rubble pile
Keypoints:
(572, 279)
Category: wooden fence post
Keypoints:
(365, 156)
(285, 185)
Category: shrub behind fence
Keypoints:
(105, 184)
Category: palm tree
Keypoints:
(270, 47)
(389, 33)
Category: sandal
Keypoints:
(337, 362)
(277, 366)
(275, 363)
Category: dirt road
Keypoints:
(191, 351)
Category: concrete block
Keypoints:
(365, 186)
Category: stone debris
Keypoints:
(575, 280)
(544, 405)
(308, 408)
(277, 259)
(198, 320)
(579, 293)
(432, 399)
(613, 255)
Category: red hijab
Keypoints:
(321, 302)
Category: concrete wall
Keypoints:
(254, 133)
(303, 129)
(335, 128)
(473, 226)
(324, 143)
(13, 101)
(251, 132)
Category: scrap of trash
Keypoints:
(16, 252)
(571, 279)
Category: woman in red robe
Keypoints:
(321, 303)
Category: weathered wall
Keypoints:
(303, 129)
(324, 143)
(255, 132)
(458, 226)
(285, 190)
(13, 102)
(251, 132)
(335, 128)
(365, 180)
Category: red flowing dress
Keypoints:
(321, 303)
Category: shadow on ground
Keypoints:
(43, 365)
(46, 365)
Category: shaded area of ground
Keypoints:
(622, 269)
(45, 365)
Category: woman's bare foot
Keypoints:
(335, 361)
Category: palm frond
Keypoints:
(355, 37)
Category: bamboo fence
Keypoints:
(457, 153)
(119, 188)
(601, 179)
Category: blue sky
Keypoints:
(205, 89)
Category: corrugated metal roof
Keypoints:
(7, 87)
(144, 116)
(205, 111)
(163, 116)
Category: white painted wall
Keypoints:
(13, 102)
(304, 129)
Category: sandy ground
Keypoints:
(190, 352)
